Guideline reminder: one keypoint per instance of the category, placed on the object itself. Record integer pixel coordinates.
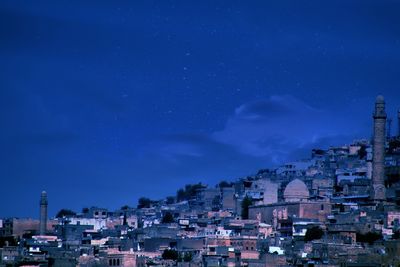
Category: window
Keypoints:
(110, 262)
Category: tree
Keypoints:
(125, 207)
(168, 218)
(246, 203)
(362, 152)
(396, 235)
(65, 213)
(313, 233)
(8, 240)
(188, 192)
(394, 145)
(262, 171)
(180, 195)
(170, 200)
(318, 151)
(187, 257)
(144, 202)
(170, 254)
(369, 237)
(224, 184)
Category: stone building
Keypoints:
(270, 214)
(228, 200)
(121, 258)
(43, 213)
(379, 140)
(296, 191)
(17, 227)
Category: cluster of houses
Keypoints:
(340, 207)
(307, 213)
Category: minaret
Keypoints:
(378, 168)
(43, 214)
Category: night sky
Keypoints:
(103, 102)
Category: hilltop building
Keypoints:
(43, 213)
(379, 140)
(296, 191)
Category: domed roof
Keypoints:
(296, 190)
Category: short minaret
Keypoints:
(378, 168)
(43, 214)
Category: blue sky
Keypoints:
(106, 101)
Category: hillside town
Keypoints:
(339, 207)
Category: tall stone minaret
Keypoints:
(378, 168)
(43, 213)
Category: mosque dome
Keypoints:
(295, 191)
